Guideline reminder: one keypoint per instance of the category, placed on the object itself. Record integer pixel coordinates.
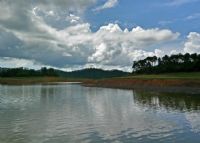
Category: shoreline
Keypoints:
(152, 85)
(36, 80)
(188, 86)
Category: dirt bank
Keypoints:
(161, 85)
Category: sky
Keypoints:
(109, 34)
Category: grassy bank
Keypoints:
(35, 80)
(173, 82)
(183, 76)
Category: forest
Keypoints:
(89, 73)
(24, 72)
(150, 65)
(168, 64)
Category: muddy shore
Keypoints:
(158, 85)
(190, 86)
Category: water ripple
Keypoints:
(72, 113)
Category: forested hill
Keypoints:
(93, 73)
(168, 64)
(90, 73)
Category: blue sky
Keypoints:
(109, 34)
(150, 14)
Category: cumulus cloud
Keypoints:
(106, 5)
(28, 34)
(71, 5)
(73, 19)
(192, 45)
(16, 62)
(112, 45)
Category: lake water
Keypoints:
(71, 113)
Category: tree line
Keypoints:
(24, 72)
(89, 73)
(93, 73)
(168, 64)
(150, 65)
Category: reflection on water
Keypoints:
(72, 113)
(169, 101)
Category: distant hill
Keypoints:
(90, 73)
(93, 73)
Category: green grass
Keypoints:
(34, 80)
(192, 76)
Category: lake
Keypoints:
(62, 113)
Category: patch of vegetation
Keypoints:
(90, 73)
(191, 75)
(24, 72)
(168, 64)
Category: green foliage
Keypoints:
(177, 75)
(23, 72)
(168, 64)
(90, 73)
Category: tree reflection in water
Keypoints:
(169, 101)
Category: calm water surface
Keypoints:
(71, 113)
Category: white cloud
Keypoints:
(73, 19)
(174, 52)
(60, 5)
(26, 34)
(193, 16)
(108, 4)
(114, 46)
(192, 45)
(78, 45)
(15, 62)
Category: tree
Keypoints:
(173, 63)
